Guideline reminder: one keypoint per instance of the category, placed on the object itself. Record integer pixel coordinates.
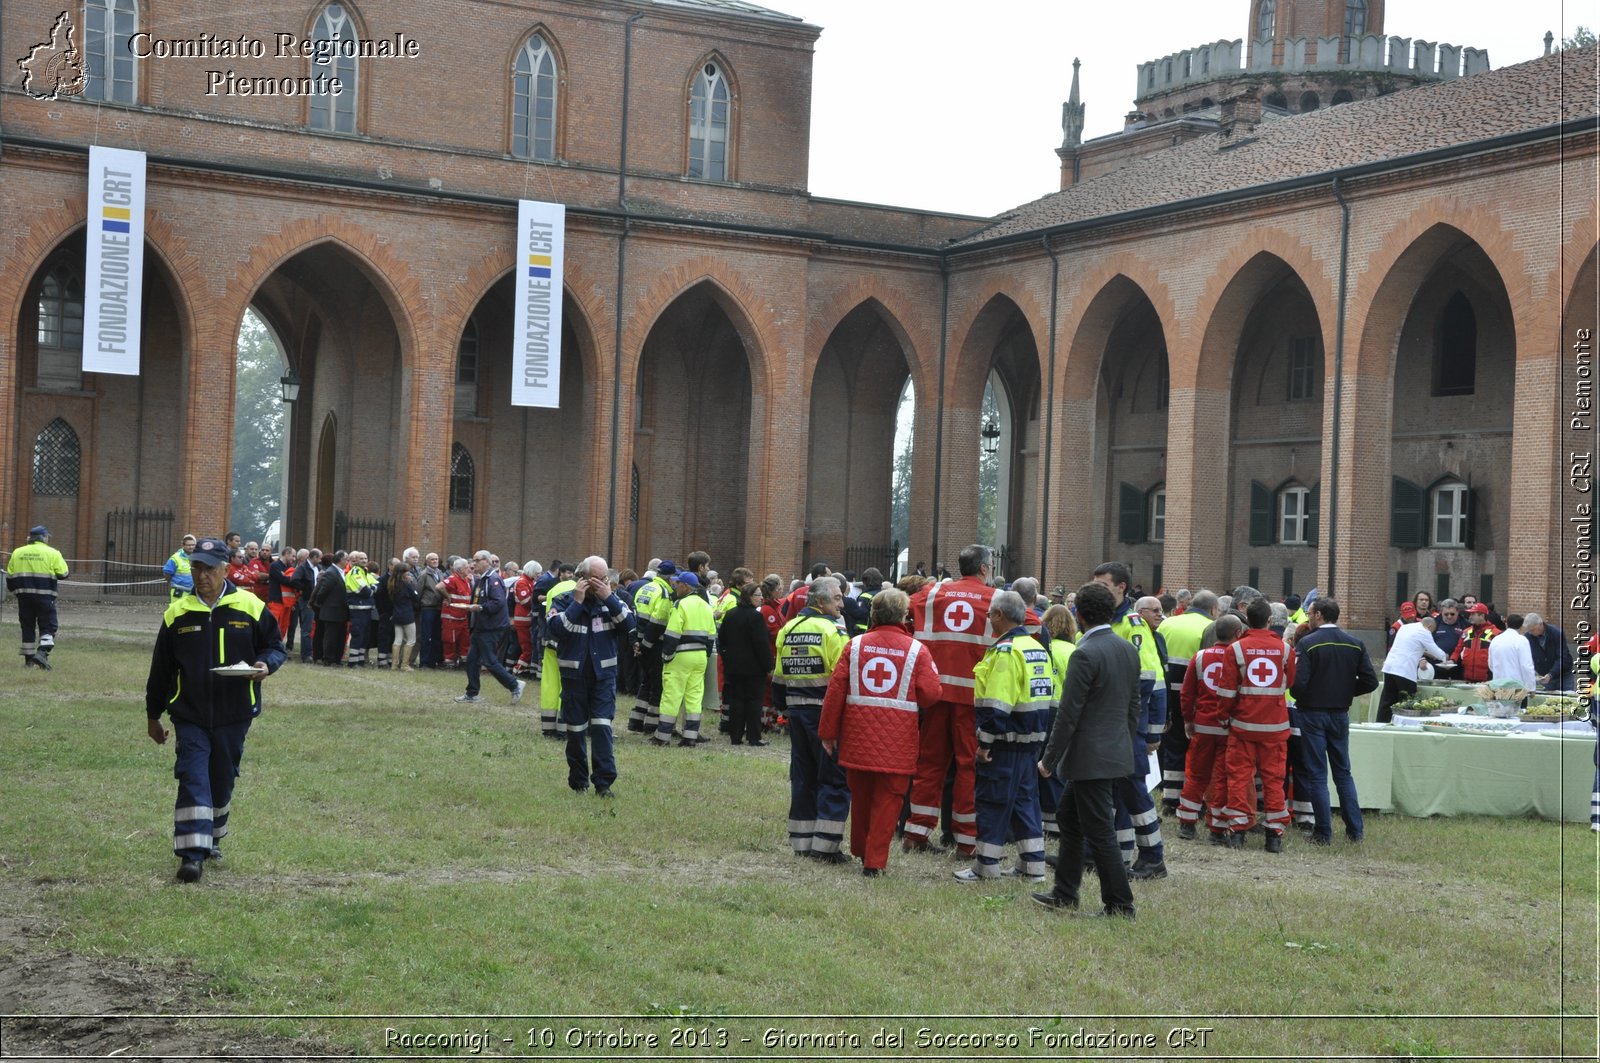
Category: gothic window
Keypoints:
(1455, 358)
(1267, 20)
(1355, 24)
(335, 113)
(462, 479)
(56, 455)
(60, 351)
(1302, 369)
(708, 124)
(467, 370)
(109, 65)
(533, 107)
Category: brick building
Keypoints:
(1327, 349)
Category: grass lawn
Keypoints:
(396, 854)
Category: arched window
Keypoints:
(56, 457)
(1355, 24)
(1455, 357)
(1309, 101)
(1342, 96)
(533, 102)
(1267, 20)
(111, 68)
(708, 124)
(467, 371)
(60, 353)
(335, 113)
(462, 479)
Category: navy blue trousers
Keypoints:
(206, 767)
(819, 796)
(588, 709)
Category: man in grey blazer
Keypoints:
(1091, 746)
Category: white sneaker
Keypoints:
(516, 695)
(470, 699)
(1013, 871)
(966, 874)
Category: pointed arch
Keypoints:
(463, 479)
(711, 125)
(336, 21)
(537, 97)
(57, 460)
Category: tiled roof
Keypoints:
(731, 7)
(1544, 92)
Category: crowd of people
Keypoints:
(959, 713)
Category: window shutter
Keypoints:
(1471, 510)
(1313, 513)
(1131, 527)
(1408, 514)
(1261, 514)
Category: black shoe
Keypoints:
(1054, 901)
(1219, 837)
(189, 871)
(603, 791)
(28, 661)
(636, 726)
(1305, 828)
(1235, 840)
(759, 742)
(1052, 860)
(1320, 841)
(1274, 841)
(1147, 872)
(214, 854)
(908, 845)
(1354, 839)
(42, 661)
(1187, 832)
(1112, 913)
(580, 789)
(830, 858)
(872, 872)
(687, 742)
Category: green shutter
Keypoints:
(1261, 515)
(1486, 589)
(1313, 513)
(1288, 582)
(1131, 528)
(1471, 533)
(1408, 515)
(1441, 588)
(1253, 577)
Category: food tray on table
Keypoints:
(1439, 726)
(1488, 727)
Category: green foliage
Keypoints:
(988, 470)
(1583, 38)
(258, 430)
(900, 493)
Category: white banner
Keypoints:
(113, 280)
(536, 347)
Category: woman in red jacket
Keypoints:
(769, 603)
(869, 723)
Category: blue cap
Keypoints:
(688, 579)
(666, 568)
(38, 531)
(209, 551)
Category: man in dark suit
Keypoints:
(1091, 746)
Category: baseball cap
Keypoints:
(1408, 610)
(1479, 607)
(209, 551)
(38, 531)
(688, 579)
(666, 568)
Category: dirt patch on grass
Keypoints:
(57, 1004)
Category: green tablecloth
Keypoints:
(1424, 774)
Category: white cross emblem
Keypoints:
(958, 616)
(1263, 672)
(1209, 675)
(880, 675)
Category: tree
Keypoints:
(1580, 39)
(258, 430)
(988, 470)
(900, 486)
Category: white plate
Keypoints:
(241, 669)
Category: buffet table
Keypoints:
(1422, 773)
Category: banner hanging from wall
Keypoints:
(113, 276)
(536, 348)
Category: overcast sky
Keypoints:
(971, 94)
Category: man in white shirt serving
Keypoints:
(1511, 655)
(1411, 643)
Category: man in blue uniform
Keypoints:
(590, 627)
(213, 626)
(31, 575)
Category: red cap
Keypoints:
(1408, 610)
(1479, 607)
(1593, 645)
